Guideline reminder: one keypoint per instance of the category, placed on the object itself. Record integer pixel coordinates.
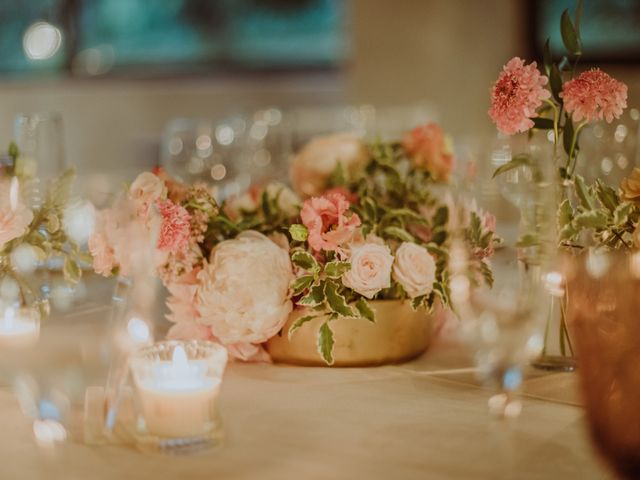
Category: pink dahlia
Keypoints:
(516, 95)
(594, 95)
(175, 227)
(327, 221)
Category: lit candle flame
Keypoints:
(14, 193)
(179, 359)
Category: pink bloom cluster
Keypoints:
(516, 95)
(175, 227)
(327, 221)
(428, 148)
(594, 95)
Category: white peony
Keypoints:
(243, 293)
(312, 167)
(414, 269)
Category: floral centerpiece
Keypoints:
(36, 226)
(362, 223)
(562, 101)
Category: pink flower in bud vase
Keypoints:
(15, 217)
(516, 95)
(428, 148)
(327, 221)
(100, 246)
(594, 95)
(175, 227)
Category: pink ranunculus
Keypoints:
(146, 190)
(100, 245)
(312, 167)
(594, 95)
(15, 217)
(516, 95)
(175, 227)
(327, 221)
(370, 269)
(414, 269)
(429, 149)
(243, 291)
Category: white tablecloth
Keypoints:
(424, 419)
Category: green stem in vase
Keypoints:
(573, 156)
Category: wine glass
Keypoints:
(499, 290)
(229, 153)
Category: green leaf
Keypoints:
(517, 161)
(547, 59)
(60, 190)
(591, 219)
(436, 251)
(325, 343)
(528, 240)
(441, 217)
(300, 284)
(338, 178)
(365, 310)
(542, 123)
(607, 196)
(336, 269)
(71, 271)
(406, 213)
(370, 208)
(583, 193)
(399, 233)
(567, 232)
(299, 322)
(305, 261)
(299, 232)
(487, 274)
(565, 213)
(13, 151)
(337, 303)
(555, 81)
(622, 212)
(417, 302)
(314, 298)
(569, 34)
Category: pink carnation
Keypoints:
(594, 95)
(175, 227)
(325, 218)
(516, 95)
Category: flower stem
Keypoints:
(556, 119)
(572, 151)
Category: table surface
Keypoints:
(423, 419)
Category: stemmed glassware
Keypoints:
(501, 296)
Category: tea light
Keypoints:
(19, 328)
(177, 386)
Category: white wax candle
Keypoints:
(178, 398)
(17, 330)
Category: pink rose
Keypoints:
(243, 293)
(327, 221)
(370, 269)
(414, 269)
(15, 217)
(429, 149)
(312, 167)
(145, 190)
(100, 246)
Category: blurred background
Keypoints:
(123, 73)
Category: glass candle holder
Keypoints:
(19, 325)
(177, 385)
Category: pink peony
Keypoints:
(516, 95)
(329, 226)
(175, 227)
(594, 95)
(414, 269)
(428, 148)
(312, 167)
(243, 292)
(189, 331)
(145, 190)
(15, 217)
(370, 269)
